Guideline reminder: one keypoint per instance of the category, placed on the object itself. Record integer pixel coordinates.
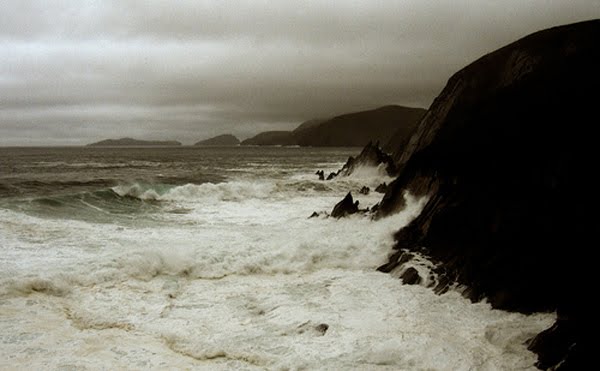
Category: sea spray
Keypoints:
(225, 274)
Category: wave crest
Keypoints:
(229, 191)
(303, 246)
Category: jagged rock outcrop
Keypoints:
(505, 154)
(398, 258)
(382, 188)
(411, 277)
(371, 156)
(558, 344)
(318, 214)
(345, 207)
(220, 140)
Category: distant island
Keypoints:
(220, 140)
(123, 142)
(356, 129)
(391, 126)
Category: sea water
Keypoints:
(205, 258)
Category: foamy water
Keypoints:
(230, 275)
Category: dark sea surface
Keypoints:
(76, 181)
(33, 171)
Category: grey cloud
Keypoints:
(72, 71)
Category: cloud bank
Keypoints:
(72, 72)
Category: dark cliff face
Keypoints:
(528, 107)
(506, 153)
(403, 133)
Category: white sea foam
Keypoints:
(296, 246)
(370, 173)
(242, 280)
(227, 191)
(264, 321)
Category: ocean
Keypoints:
(205, 259)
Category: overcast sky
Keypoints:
(72, 72)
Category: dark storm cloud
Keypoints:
(73, 71)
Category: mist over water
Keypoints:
(204, 258)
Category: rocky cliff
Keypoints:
(506, 155)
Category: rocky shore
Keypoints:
(505, 155)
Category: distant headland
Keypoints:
(389, 125)
(123, 142)
(220, 140)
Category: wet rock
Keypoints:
(345, 207)
(395, 260)
(411, 277)
(364, 190)
(321, 174)
(316, 214)
(553, 345)
(310, 328)
(382, 188)
(374, 208)
(371, 156)
(322, 328)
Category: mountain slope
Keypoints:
(220, 140)
(359, 128)
(348, 130)
(271, 138)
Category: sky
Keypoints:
(74, 72)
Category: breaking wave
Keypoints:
(228, 191)
(204, 268)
